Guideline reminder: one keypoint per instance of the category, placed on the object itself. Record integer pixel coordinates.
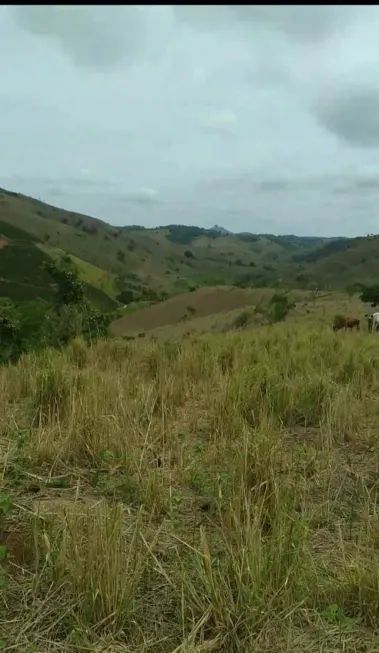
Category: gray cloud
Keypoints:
(349, 111)
(353, 114)
(302, 22)
(259, 118)
(93, 36)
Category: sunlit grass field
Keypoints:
(213, 494)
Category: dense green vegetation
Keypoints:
(185, 235)
(37, 324)
(323, 251)
(10, 231)
(24, 262)
(23, 272)
(370, 294)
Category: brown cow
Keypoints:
(346, 323)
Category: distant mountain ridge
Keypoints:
(311, 240)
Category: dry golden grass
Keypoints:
(216, 494)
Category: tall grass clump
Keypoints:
(54, 391)
(92, 556)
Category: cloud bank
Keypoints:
(259, 118)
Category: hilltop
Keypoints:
(133, 263)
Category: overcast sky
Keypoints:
(257, 118)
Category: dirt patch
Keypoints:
(3, 242)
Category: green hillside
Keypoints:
(344, 262)
(168, 260)
(153, 264)
(22, 275)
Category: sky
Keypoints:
(256, 118)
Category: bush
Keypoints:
(279, 307)
(38, 324)
(242, 320)
(370, 294)
(126, 297)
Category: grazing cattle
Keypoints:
(346, 323)
(373, 321)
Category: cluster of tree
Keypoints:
(37, 324)
(138, 293)
(323, 251)
(184, 235)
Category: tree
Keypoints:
(74, 315)
(95, 324)
(370, 294)
(126, 296)
(314, 294)
(63, 325)
(69, 288)
(33, 316)
(354, 288)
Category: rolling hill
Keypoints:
(22, 276)
(167, 260)
(338, 264)
(154, 264)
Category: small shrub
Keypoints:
(242, 320)
(279, 307)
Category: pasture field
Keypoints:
(217, 493)
(216, 309)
